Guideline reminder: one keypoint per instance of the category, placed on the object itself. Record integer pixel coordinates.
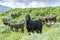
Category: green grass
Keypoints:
(53, 34)
(7, 34)
(48, 33)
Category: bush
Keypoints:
(15, 15)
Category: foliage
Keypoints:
(18, 14)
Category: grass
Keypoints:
(7, 34)
(48, 33)
(53, 34)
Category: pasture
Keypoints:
(48, 33)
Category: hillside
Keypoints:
(34, 12)
(18, 14)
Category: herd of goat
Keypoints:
(31, 25)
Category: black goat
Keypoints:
(33, 25)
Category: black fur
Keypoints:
(33, 25)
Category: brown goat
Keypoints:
(16, 26)
(50, 19)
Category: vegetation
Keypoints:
(17, 15)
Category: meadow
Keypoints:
(18, 14)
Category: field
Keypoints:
(17, 15)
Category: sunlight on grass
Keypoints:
(53, 34)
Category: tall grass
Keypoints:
(53, 34)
